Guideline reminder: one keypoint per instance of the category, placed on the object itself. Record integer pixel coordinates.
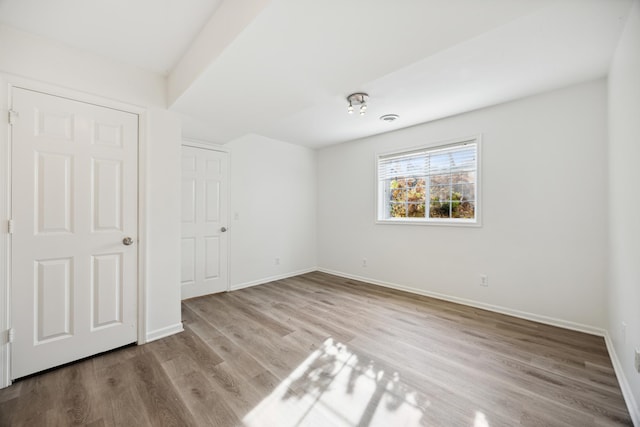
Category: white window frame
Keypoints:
(381, 203)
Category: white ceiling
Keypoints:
(287, 73)
(151, 34)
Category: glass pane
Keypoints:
(440, 162)
(410, 182)
(439, 209)
(463, 192)
(403, 190)
(408, 164)
(439, 193)
(407, 182)
(463, 210)
(399, 183)
(463, 177)
(416, 210)
(440, 179)
(416, 194)
(397, 210)
(398, 195)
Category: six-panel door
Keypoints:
(74, 200)
(204, 222)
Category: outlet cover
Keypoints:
(484, 280)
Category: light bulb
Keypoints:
(350, 109)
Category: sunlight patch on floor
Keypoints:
(336, 387)
(480, 420)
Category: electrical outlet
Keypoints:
(484, 280)
(637, 360)
(364, 262)
(277, 261)
(623, 332)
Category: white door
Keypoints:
(74, 206)
(204, 221)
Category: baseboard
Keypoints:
(164, 332)
(471, 303)
(629, 399)
(272, 279)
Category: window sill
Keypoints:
(432, 222)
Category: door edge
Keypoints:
(5, 302)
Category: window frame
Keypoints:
(381, 202)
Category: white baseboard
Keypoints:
(272, 279)
(164, 332)
(629, 399)
(471, 303)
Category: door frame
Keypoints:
(7, 83)
(204, 145)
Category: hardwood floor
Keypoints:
(319, 350)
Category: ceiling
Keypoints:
(150, 34)
(287, 73)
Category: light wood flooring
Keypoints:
(319, 350)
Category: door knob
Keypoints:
(127, 241)
(223, 229)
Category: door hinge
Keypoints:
(11, 334)
(10, 226)
(13, 116)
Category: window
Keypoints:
(435, 184)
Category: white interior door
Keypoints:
(74, 204)
(204, 221)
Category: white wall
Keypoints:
(164, 172)
(37, 61)
(624, 203)
(543, 239)
(273, 196)
(28, 55)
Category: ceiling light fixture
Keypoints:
(360, 99)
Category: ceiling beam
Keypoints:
(228, 21)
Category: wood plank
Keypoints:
(116, 388)
(207, 406)
(162, 402)
(318, 350)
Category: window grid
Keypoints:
(457, 163)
